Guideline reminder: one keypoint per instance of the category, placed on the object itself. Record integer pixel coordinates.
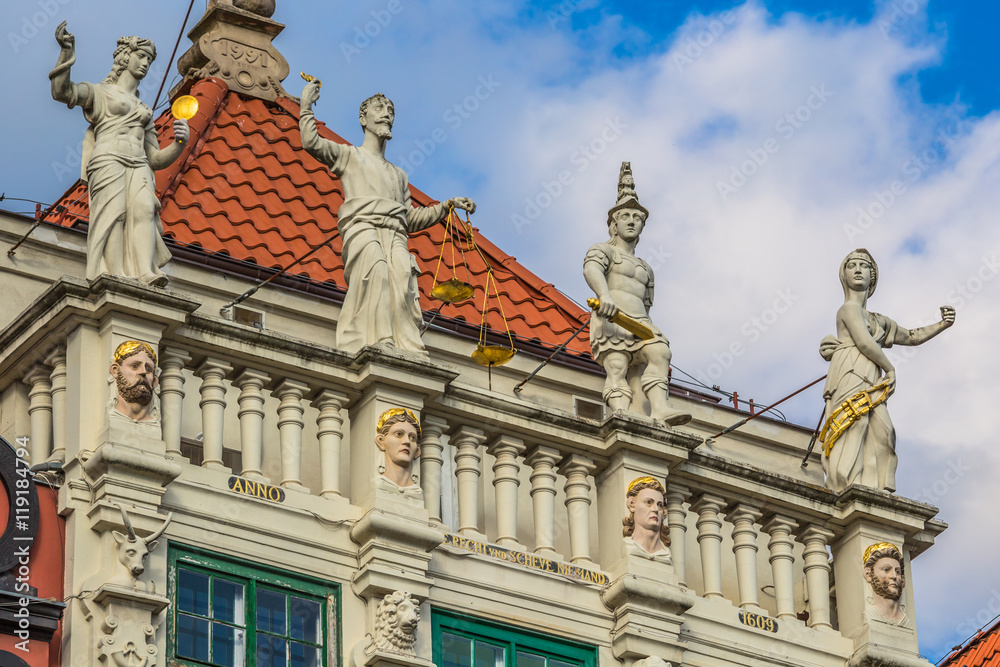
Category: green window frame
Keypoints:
(490, 644)
(227, 612)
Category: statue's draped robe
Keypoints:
(120, 184)
(866, 452)
(375, 220)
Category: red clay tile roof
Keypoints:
(246, 188)
(983, 650)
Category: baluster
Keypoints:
(172, 364)
(57, 360)
(543, 497)
(329, 424)
(817, 568)
(290, 423)
(431, 461)
(251, 401)
(743, 517)
(468, 460)
(577, 470)
(505, 480)
(780, 546)
(676, 522)
(213, 373)
(708, 507)
(40, 412)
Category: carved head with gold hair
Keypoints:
(398, 438)
(134, 371)
(632, 498)
(887, 579)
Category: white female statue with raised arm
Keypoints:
(859, 441)
(120, 152)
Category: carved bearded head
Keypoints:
(884, 570)
(396, 622)
(134, 371)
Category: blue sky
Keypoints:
(767, 139)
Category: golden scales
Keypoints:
(455, 290)
(184, 107)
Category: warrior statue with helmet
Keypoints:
(623, 338)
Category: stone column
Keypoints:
(708, 507)
(290, 423)
(329, 425)
(57, 361)
(505, 481)
(172, 363)
(817, 569)
(743, 517)
(213, 373)
(468, 460)
(543, 496)
(676, 522)
(251, 385)
(780, 546)
(40, 412)
(431, 460)
(577, 470)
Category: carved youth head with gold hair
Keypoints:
(398, 437)
(134, 371)
(644, 500)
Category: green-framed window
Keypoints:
(228, 613)
(461, 641)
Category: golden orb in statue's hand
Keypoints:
(184, 107)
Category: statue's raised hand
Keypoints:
(947, 316)
(310, 94)
(463, 203)
(65, 38)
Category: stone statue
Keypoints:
(375, 220)
(120, 152)
(397, 437)
(623, 284)
(644, 529)
(396, 620)
(858, 438)
(884, 572)
(134, 371)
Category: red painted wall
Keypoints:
(46, 563)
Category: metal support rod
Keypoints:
(739, 424)
(520, 385)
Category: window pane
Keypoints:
(303, 617)
(227, 602)
(192, 592)
(228, 648)
(455, 651)
(271, 612)
(560, 663)
(488, 655)
(530, 660)
(192, 637)
(301, 655)
(270, 651)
